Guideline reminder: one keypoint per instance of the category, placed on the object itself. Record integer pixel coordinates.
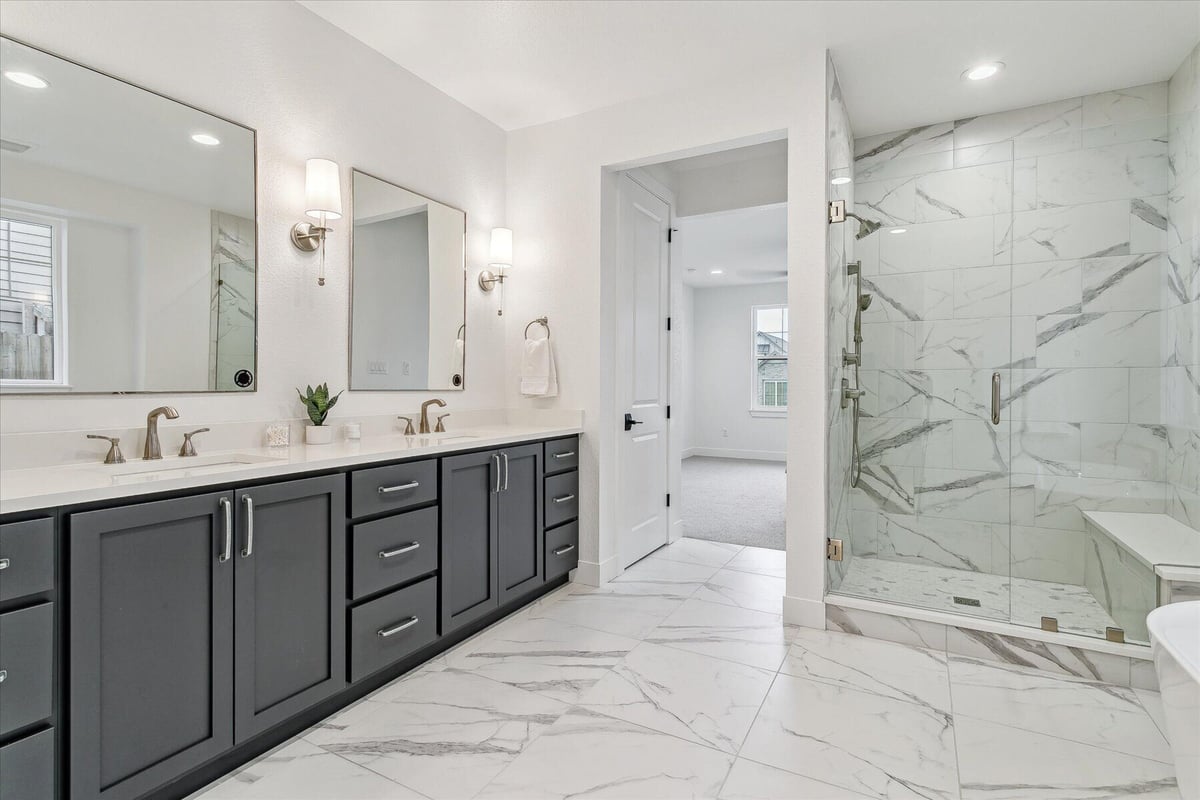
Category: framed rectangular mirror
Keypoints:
(408, 290)
(127, 236)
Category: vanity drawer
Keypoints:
(562, 550)
(27, 767)
(26, 665)
(414, 607)
(562, 503)
(26, 558)
(562, 455)
(392, 550)
(393, 488)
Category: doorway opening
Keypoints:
(722, 354)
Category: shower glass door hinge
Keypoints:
(1115, 635)
(833, 549)
(1050, 624)
(837, 211)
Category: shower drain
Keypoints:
(966, 601)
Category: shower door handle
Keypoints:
(995, 398)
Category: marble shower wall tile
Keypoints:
(1047, 287)
(1052, 395)
(1054, 234)
(1034, 122)
(911, 297)
(1124, 283)
(1096, 174)
(974, 191)
(1112, 339)
(938, 245)
(1135, 452)
(934, 541)
(1125, 105)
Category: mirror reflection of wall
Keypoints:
(408, 301)
(127, 236)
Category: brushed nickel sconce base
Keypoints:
(489, 279)
(307, 237)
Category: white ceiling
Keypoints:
(749, 245)
(525, 62)
(90, 124)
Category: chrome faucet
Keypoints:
(153, 450)
(425, 413)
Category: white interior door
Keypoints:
(643, 370)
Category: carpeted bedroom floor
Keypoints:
(734, 500)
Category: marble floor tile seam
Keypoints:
(832, 786)
(682, 557)
(1011, 727)
(860, 690)
(366, 767)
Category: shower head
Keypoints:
(865, 226)
(864, 302)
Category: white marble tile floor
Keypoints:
(707, 694)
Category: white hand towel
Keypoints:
(456, 367)
(539, 377)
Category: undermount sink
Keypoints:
(442, 438)
(181, 467)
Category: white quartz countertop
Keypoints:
(71, 484)
(1156, 539)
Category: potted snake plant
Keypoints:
(318, 403)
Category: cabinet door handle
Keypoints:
(995, 398)
(399, 551)
(564, 549)
(227, 550)
(249, 551)
(497, 457)
(564, 498)
(403, 626)
(4, 562)
(567, 454)
(400, 488)
(505, 455)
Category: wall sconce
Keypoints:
(323, 201)
(500, 260)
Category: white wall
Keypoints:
(722, 366)
(310, 90)
(558, 190)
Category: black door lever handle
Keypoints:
(630, 421)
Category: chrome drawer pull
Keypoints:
(564, 498)
(403, 626)
(567, 454)
(400, 488)
(564, 550)
(227, 551)
(249, 503)
(3, 675)
(4, 562)
(399, 551)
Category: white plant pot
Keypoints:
(318, 434)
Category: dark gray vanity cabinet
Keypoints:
(491, 531)
(151, 643)
(197, 623)
(289, 617)
(519, 521)
(470, 527)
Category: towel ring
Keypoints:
(543, 321)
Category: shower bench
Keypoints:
(1136, 562)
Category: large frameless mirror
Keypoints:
(408, 301)
(127, 236)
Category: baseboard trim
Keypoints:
(803, 612)
(749, 455)
(592, 573)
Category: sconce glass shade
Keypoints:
(322, 189)
(502, 248)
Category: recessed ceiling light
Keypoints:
(27, 79)
(898, 230)
(841, 180)
(983, 71)
(205, 139)
(716, 272)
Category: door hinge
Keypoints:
(668, 412)
(668, 499)
(833, 549)
(837, 211)
(670, 235)
(668, 323)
